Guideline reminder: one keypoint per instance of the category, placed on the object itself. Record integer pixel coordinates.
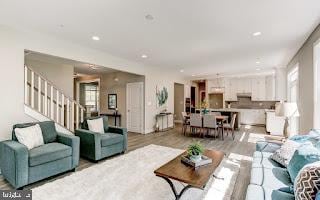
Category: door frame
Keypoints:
(141, 84)
(77, 98)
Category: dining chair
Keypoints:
(185, 122)
(210, 123)
(230, 126)
(195, 123)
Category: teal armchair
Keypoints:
(21, 166)
(96, 146)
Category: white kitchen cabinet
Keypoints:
(244, 85)
(258, 89)
(253, 116)
(262, 88)
(233, 87)
(270, 88)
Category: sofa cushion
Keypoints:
(256, 192)
(47, 127)
(285, 153)
(263, 159)
(307, 183)
(96, 125)
(313, 136)
(302, 156)
(49, 131)
(85, 126)
(30, 136)
(108, 139)
(265, 146)
(273, 178)
(48, 153)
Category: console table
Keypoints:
(113, 115)
(162, 116)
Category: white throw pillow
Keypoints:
(30, 136)
(96, 125)
(285, 153)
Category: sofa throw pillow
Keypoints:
(96, 125)
(285, 153)
(318, 196)
(30, 136)
(304, 155)
(307, 183)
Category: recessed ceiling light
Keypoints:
(256, 33)
(258, 69)
(149, 17)
(258, 62)
(181, 70)
(96, 38)
(193, 75)
(144, 56)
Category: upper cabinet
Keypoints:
(243, 85)
(258, 90)
(262, 88)
(270, 88)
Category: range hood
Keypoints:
(244, 94)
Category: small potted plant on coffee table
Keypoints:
(195, 152)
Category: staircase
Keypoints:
(46, 99)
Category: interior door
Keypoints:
(135, 96)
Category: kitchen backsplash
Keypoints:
(247, 103)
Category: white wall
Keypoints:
(60, 75)
(14, 42)
(304, 58)
(11, 84)
(161, 79)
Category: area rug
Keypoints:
(130, 177)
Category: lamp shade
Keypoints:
(287, 109)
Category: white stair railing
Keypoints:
(45, 98)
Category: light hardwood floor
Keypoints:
(243, 146)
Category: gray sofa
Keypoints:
(269, 180)
(21, 166)
(96, 146)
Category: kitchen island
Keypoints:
(244, 116)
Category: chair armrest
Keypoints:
(74, 143)
(119, 130)
(268, 146)
(14, 162)
(90, 144)
(122, 131)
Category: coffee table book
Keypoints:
(204, 161)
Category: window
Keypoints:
(293, 96)
(316, 85)
(91, 96)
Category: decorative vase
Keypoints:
(196, 158)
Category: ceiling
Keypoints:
(80, 68)
(201, 37)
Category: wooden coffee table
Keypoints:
(196, 178)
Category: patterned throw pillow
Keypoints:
(285, 153)
(307, 183)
